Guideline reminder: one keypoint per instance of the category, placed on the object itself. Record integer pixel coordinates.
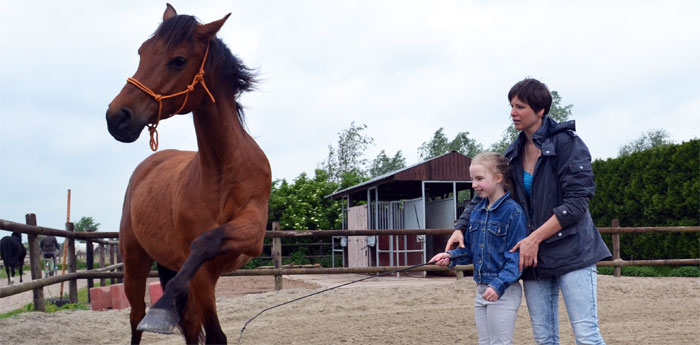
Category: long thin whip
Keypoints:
(338, 286)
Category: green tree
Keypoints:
(86, 224)
(440, 145)
(348, 156)
(557, 112)
(648, 140)
(383, 164)
(302, 204)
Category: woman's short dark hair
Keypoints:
(534, 93)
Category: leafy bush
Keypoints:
(639, 271)
(654, 271)
(608, 271)
(298, 257)
(686, 271)
(655, 187)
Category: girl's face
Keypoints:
(485, 183)
(524, 118)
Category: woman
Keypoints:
(553, 182)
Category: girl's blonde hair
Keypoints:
(496, 164)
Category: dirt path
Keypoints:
(384, 311)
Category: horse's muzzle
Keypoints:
(123, 125)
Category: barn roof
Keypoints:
(452, 166)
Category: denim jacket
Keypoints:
(491, 233)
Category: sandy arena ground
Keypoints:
(382, 311)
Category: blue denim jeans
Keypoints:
(579, 289)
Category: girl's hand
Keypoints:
(528, 252)
(441, 259)
(457, 238)
(490, 294)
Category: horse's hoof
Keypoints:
(158, 321)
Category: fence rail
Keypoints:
(69, 255)
(112, 271)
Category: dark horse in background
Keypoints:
(197, 214)
(13, 254)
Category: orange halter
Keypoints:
(198, 78)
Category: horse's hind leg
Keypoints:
(137, 265)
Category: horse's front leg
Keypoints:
(164, 315)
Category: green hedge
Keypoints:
(656, 187)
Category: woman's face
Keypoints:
(524, 118)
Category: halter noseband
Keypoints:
(198, 78)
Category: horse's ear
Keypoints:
(169, 12)
(208, 31)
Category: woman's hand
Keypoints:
(528, 251)
(530, 245)
(457, 239)
(490, 294)
(441, 259)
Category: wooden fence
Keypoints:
(113, 270)
(37, 284)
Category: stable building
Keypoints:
(427, 195)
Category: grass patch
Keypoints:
(52, 308)
(3, 274)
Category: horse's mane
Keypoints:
(229, 69)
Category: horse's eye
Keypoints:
(177, 63)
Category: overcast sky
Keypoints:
(403, 68)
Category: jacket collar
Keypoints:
(541, 138)
(481, 206)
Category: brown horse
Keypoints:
(197, 214)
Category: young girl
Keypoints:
(496, 224)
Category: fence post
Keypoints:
(72, 266)
(102, 261)
(617, 270)
(276, 253)
(35, 263)
(89, 265)
(119, 260)
(111, 261)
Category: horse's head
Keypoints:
(172, 63)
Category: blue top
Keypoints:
(527, 181)
(492, 232)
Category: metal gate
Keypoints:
(396, 250)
